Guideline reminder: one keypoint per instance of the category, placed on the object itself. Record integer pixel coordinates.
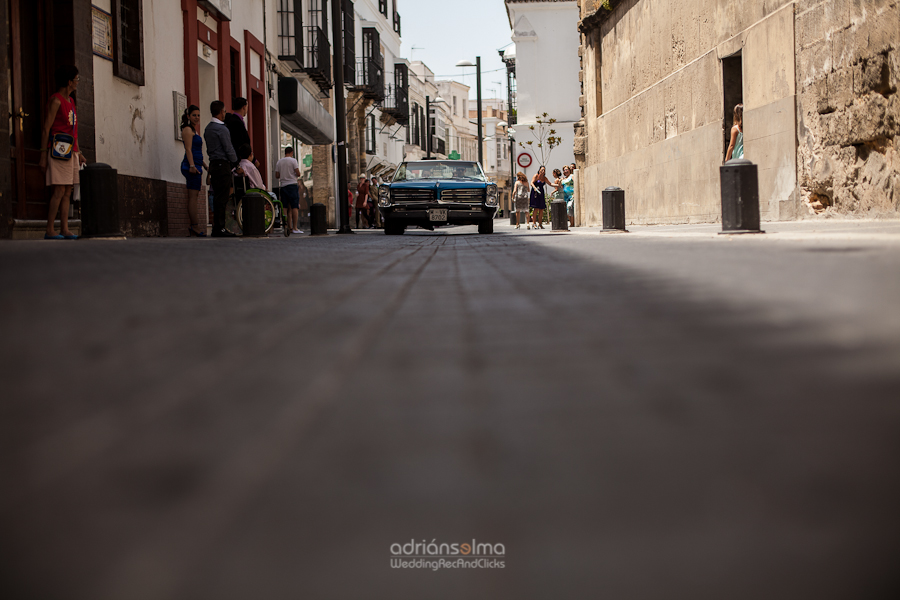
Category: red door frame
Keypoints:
(256, 98)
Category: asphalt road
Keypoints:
(662, 414)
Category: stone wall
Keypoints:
(818, 88)
(848, 110)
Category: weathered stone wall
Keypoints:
(848, 110)
(655, 120)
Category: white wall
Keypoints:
(547, 66)
(135, 125)
(547, 62)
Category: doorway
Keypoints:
(30, 86)
(732, 93)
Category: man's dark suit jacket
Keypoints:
(239, 135)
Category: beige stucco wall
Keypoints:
(660, 134)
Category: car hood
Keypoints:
(443, 184)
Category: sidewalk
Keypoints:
(813, 229)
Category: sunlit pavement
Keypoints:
(667, 413)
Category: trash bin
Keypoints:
(559, 220)
(613, 203)
(100, 202)
(512, 217)
(740, 197)
(253, 215)
(318, 224)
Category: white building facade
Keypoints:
(546, 76)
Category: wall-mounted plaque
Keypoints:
(102, 34)
(179, 104)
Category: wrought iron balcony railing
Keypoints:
(318, 56)
(396, 104)
(370, 79)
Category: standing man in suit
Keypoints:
(222, 159)
(236, 122)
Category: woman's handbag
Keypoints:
(61, 145)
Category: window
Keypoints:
(465, 108)
(128, 40)
(505, 152)
(382, 7)
(235, 73)
(454, 106)
(370, 134)
(499, 150)
(290, 28)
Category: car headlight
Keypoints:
(491, 195)
(384, 196)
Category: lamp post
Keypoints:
(477, 65)
(340, 117)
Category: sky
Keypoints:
(441, 33)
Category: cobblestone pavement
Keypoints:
(631, 416)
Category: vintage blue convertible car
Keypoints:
(431, 193)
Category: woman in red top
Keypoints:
(61, 174)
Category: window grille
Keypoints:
(128, 40)
(290, 28)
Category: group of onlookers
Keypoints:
(366, 199)
(230, 153)
(530, 198)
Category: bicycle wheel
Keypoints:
(269, 215)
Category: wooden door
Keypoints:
(30, 90)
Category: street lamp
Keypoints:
(477, 65)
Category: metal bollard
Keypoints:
(253, 215)
(559, 220)
(740, 197)
(100, 202)
(318, 224)
(613, 201)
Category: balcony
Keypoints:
(370, 79)
(396, 104)
(317, 63)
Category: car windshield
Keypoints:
(439, 169)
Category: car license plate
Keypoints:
(437, 214)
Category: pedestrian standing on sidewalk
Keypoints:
(736, 146)
(567, 193)
(287, 172)
(60, 136)
(362, 195)
(520, 196)
(538, 201)
(222, 159)
(192, 165)
(373, 200)
(236, 122)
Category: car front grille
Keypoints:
(412, 195)
(475, 196)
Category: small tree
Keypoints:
(545, 138)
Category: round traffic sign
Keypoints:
(524, 160)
